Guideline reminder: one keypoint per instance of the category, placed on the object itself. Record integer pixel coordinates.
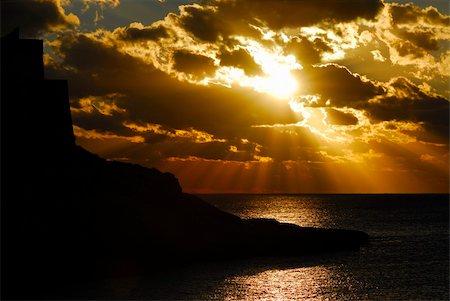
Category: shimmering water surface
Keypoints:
(407, 258)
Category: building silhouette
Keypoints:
(36, 139)
(35, 110)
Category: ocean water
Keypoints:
(407, 257)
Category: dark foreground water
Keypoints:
(407, 258)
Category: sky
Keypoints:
(252, 96)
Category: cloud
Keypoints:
(191, 134)
(347, 156)
(157, 142)
(278, 14)
(36, 17)
(337, 85)
(427, 157)
(422, 39)
(406, 101)
(416, 50)
(85, 53)
(105, 105)
(307, 52)
(377, 56)
(139, 32)
(411, 14)
(341, 118)
(93, 134)
(197, 65)
(413, 34)
(99, 5)
(398, 99)
(285, 142)
(227, 34)
(352, 100)
(240, 58)
(201, 21)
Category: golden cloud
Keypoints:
(191, 134)
(36, 17)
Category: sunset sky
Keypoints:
(256, 96)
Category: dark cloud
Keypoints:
(90, 116)
(340, 118)
(88, 55)
(101, 123)
(241, 59)
(412, 14)
(279, 14)
(211, 150)
(406, 48)
(209, 24)
(337, 84)
(419, 31)
(150, 33)
(195, 64)
(411, 103)
(202, 22)
(424, 40)
(152, 138)
(307, 52)
(35, 17)
(286, 142)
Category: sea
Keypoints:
(407, 257)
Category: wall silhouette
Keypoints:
(34, 109)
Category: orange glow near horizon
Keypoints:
(295, 177)
(366, 158)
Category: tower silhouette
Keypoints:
(36, 140)
(35, 110)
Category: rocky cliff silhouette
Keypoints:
(69, 215)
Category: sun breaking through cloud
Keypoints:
(262, 96)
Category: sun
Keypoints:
(279, 84)
(277, 71)
(277, 67)
(277, 79)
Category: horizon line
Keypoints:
(322, 193)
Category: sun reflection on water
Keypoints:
(306, 283)
(285, 209)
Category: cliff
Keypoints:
(69, 215)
